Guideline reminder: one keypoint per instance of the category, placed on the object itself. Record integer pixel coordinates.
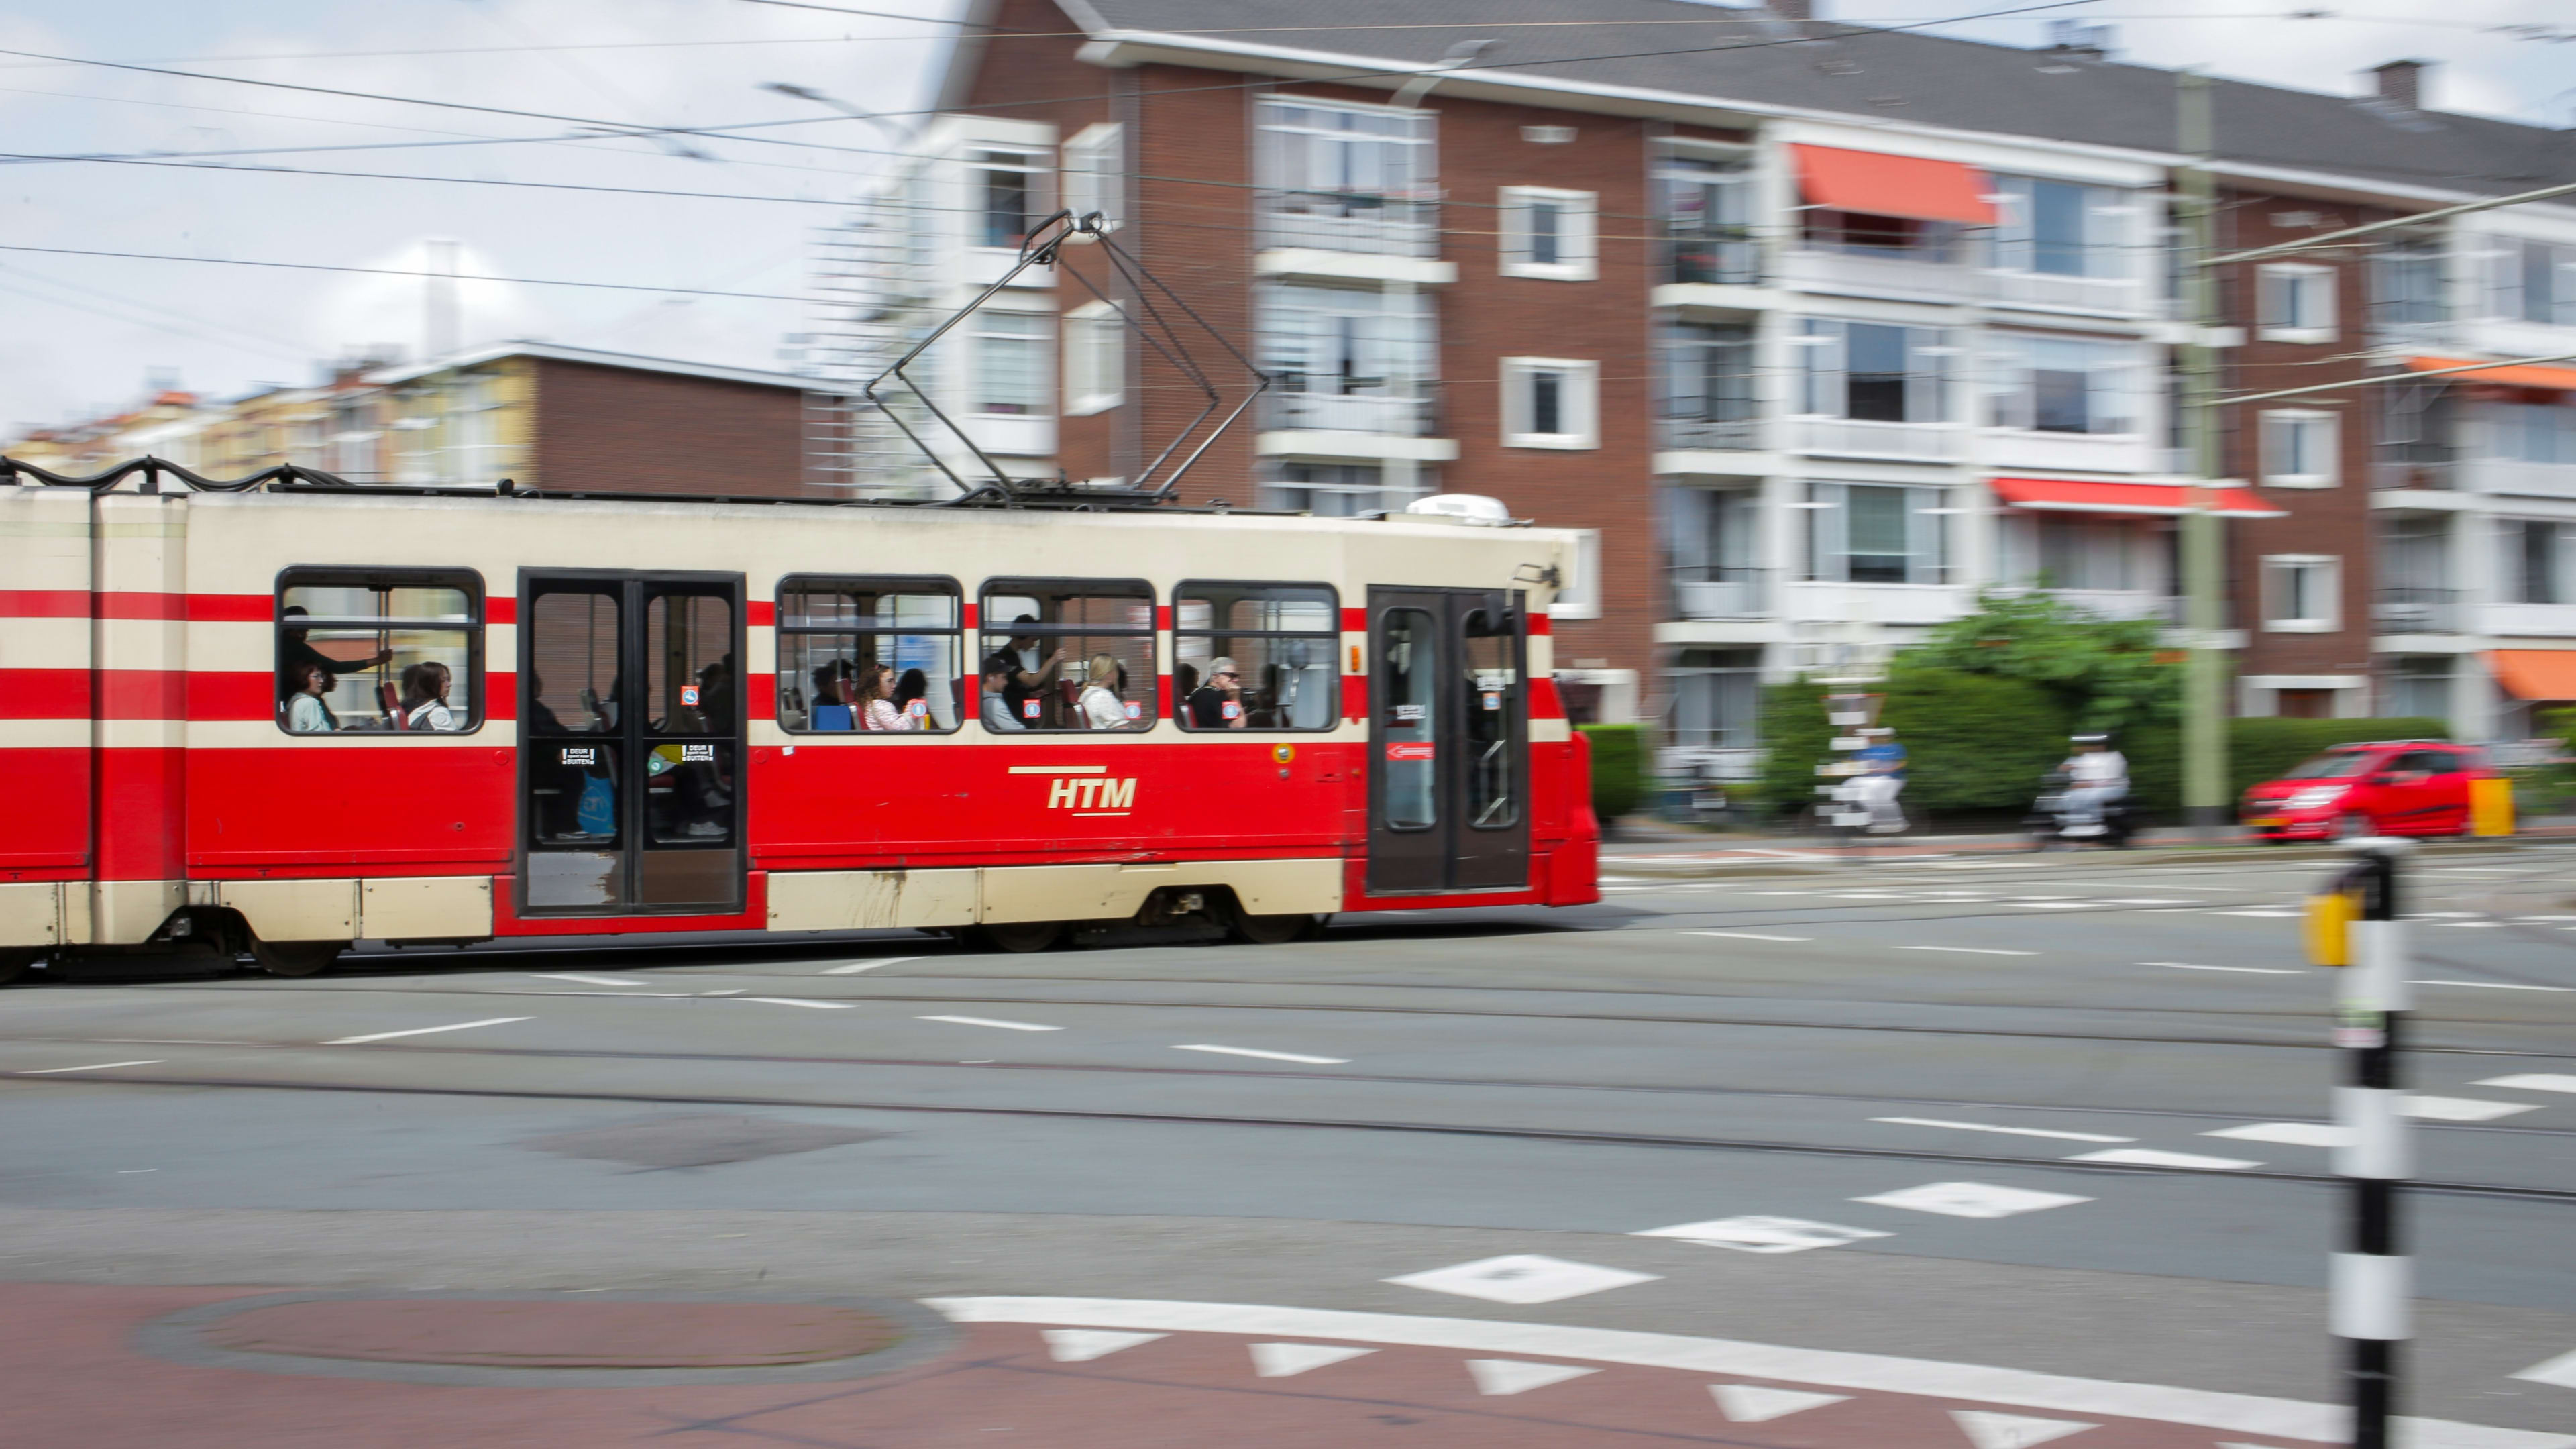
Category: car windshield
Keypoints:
(2336, 765)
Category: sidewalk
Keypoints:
(97, 1367)
(1653, 849)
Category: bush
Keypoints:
(1618, 768)
(1973, 741)
(1796, 738)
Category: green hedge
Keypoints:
(1618, 768)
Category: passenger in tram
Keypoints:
(424, 698)
(875, 702)
(1218, 704)
(1102, 709)
(831, 697)
(996, 679)
(1029, 673)
(296, 649)
(912, 698)
(306, 714)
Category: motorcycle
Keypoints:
(2049, 822)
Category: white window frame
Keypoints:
(980, 333)
(1095, 359)
(1029, 162)
(1578, 403)
(1928, 545)
(2114, 383)
(1577, 255)
(2327, 568)
(2276, 426)
(1095, 175)
(2294, 302)
(1579, 597)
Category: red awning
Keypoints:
(2562, 378)
(2067, 495)
(1882, 185)
(2535, 673)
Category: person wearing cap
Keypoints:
(2096, 775)
(1217, 704)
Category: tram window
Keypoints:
(1490, 656)
(1282, 640)
(1408, 699)
(389, 651)
(834, 632)
(1080, 654)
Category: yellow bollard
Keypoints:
(2491, 807)
(2328, 927)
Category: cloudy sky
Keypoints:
(84, 333)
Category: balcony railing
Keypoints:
(1892, 274)
(1346, 222)
(1721, 592)
(1691, 434)
(1855, 438)
(2048, 289)
(2414, 474)
(2408, 610)
(1712, 261)
(1410, 413)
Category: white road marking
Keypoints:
(426, 1030)
(1763, 1235)
(92, 1067)
(1869, 1373)
(1755, 1404)
(2052, 905)
(2010, 1131)
(2150, 1157)
(1780, 893)
(1081, 1345)
(2560, 1371)
(2462, 1109)
(2260, 915)
(1522, 1278)
(2475, 925)
(2248, 970)
(1511, 1376)
(1287, 1360)
(2532, 1082)
(1969, 950)
(2296, 1134)
(800, 1001)
(587, 980)
(2012, 1431)
(853, 968)
(2148, 901)
(1272, 1056)
(989, 1021)
(1971, 1199)
(2494, 985)
(1862, 896)
(1748, 936)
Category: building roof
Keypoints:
(409, 372)
(1633, 50)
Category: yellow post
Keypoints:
(2328, 926)
(2491, 807)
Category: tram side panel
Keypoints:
(45, 716)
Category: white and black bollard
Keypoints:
(2372, 1275)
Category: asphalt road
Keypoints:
(2058, 1113)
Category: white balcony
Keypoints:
(1404, 415)
(1868, 275)
(1736, 594)
(1855, 438)
(1330, 222)
(2079, 452)
(2122, 603)
(2117, 296)
(2511, 475)
(2527, 620)
(1915, 604)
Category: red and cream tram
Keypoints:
(286, 718)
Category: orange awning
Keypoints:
(2535, 673)
(1882, 185)
(2563, 378)
(2071, 495)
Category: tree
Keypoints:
(2105, 674)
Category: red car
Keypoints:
(2386, 787)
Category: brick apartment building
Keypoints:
(1820, 329)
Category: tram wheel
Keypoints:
(14, 964)
(1017, 936)
(1255, 930)
(296, 958)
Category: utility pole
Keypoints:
(2204, 719)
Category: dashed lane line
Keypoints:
(589, 980)
(2009, 1131)
(2532, 1082)
(1970, 950)
(92, 1067)
(425, 1030)
(1270, 1056)
(2494, 985)
(2248, 970)
(990, 1021)
(2150, 1157)
(853, 968)
(800, 1001)
(1748, 936)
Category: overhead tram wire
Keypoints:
(404, 272)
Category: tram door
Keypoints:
(630, 743)
(1448, 741)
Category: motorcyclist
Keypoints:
(2096, 776)
(1882, 777)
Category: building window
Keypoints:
(1348, 359)
(1346, 178)
(1716, 698)
(1874, 372)
(1578, 594)
(2295, 302)
(2406, 283)
(1710, 543)
(1550, 402)
(1095, 359)
(2061, 384)
(1007, 197)
(834, 633)
(2532, 281)
(2301, 593)
(2299, 448)
(1875, 533)
(379, 650)
(2059, 228)
(1068, 654)
(1704, 394)
(1546, 234)
(1283, 643)
(1095, 174)
(1706, 211)
(1859, 233)
(1344, 490)
(2085, 551)
(2531, 432)
(2535, 560)
(1010, 363)
(2419, 687)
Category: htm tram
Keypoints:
(279, 719)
